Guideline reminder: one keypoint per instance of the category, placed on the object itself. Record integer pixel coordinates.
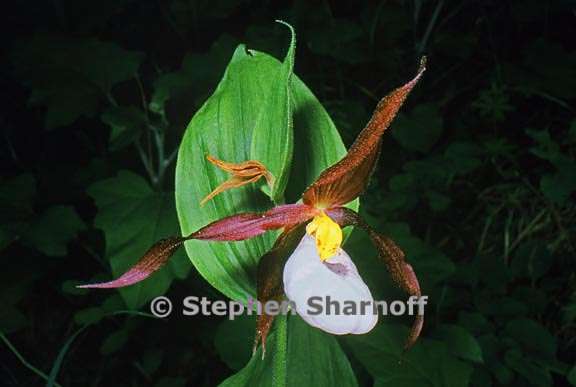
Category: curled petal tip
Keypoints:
(242, 173)
(414, 332)
(421, 69)
(423, 61)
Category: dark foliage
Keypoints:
(476, 181)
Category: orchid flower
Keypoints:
(307, 259)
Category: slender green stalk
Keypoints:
(60, 358)
(279, 366)
(430, 27)
(24, 361)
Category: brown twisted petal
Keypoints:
(151, 261)
(269, 279)
(347, 179)
(242, 173)
(401, 272)
(232, 228)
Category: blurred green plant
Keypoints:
(476, 184)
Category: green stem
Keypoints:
(429, 28)
(279, 362)
(161, 162)
(146, 161)
(23, 360)
(64, 350)
(60, 358)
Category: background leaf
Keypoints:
(420, 129)
(234, 340)
(460, 342)
(133, 217)
(428, 363)
(70, 75)
(485, 214)
(126, 124)
(53, 229)
(16, 196)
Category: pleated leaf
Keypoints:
(224, 128)
(275, 151)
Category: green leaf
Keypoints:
(12, 319)
(234, 339)
(134, 217)
(198, 74)
(223, 127)
(171, 382)
(533, 337)
(494, 102)
(571, 138)
(572, 376)
(462, 157)
(531, 260)
(428, 363)
(432, 265)
(107, 64)
(533, 372)
(475, 322)
(492, 349)
(312, 358)
(152, 360)
(88, 316)
(341, 40)
(66, 100)
(113, 303)
(460, 342)
(67, 104)
(324, 365)
(558, 187)
(420, 129)
(551, 68)
(114, 342)
(437, 200)
(275, 150)
(16, 196)
(69, 75)
(166, 87)
(70, 287)
(53, 229)
(125, 123)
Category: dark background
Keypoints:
(477, 176)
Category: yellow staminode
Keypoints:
(328, 235)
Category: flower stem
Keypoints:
(23, 360)
(279, 361)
